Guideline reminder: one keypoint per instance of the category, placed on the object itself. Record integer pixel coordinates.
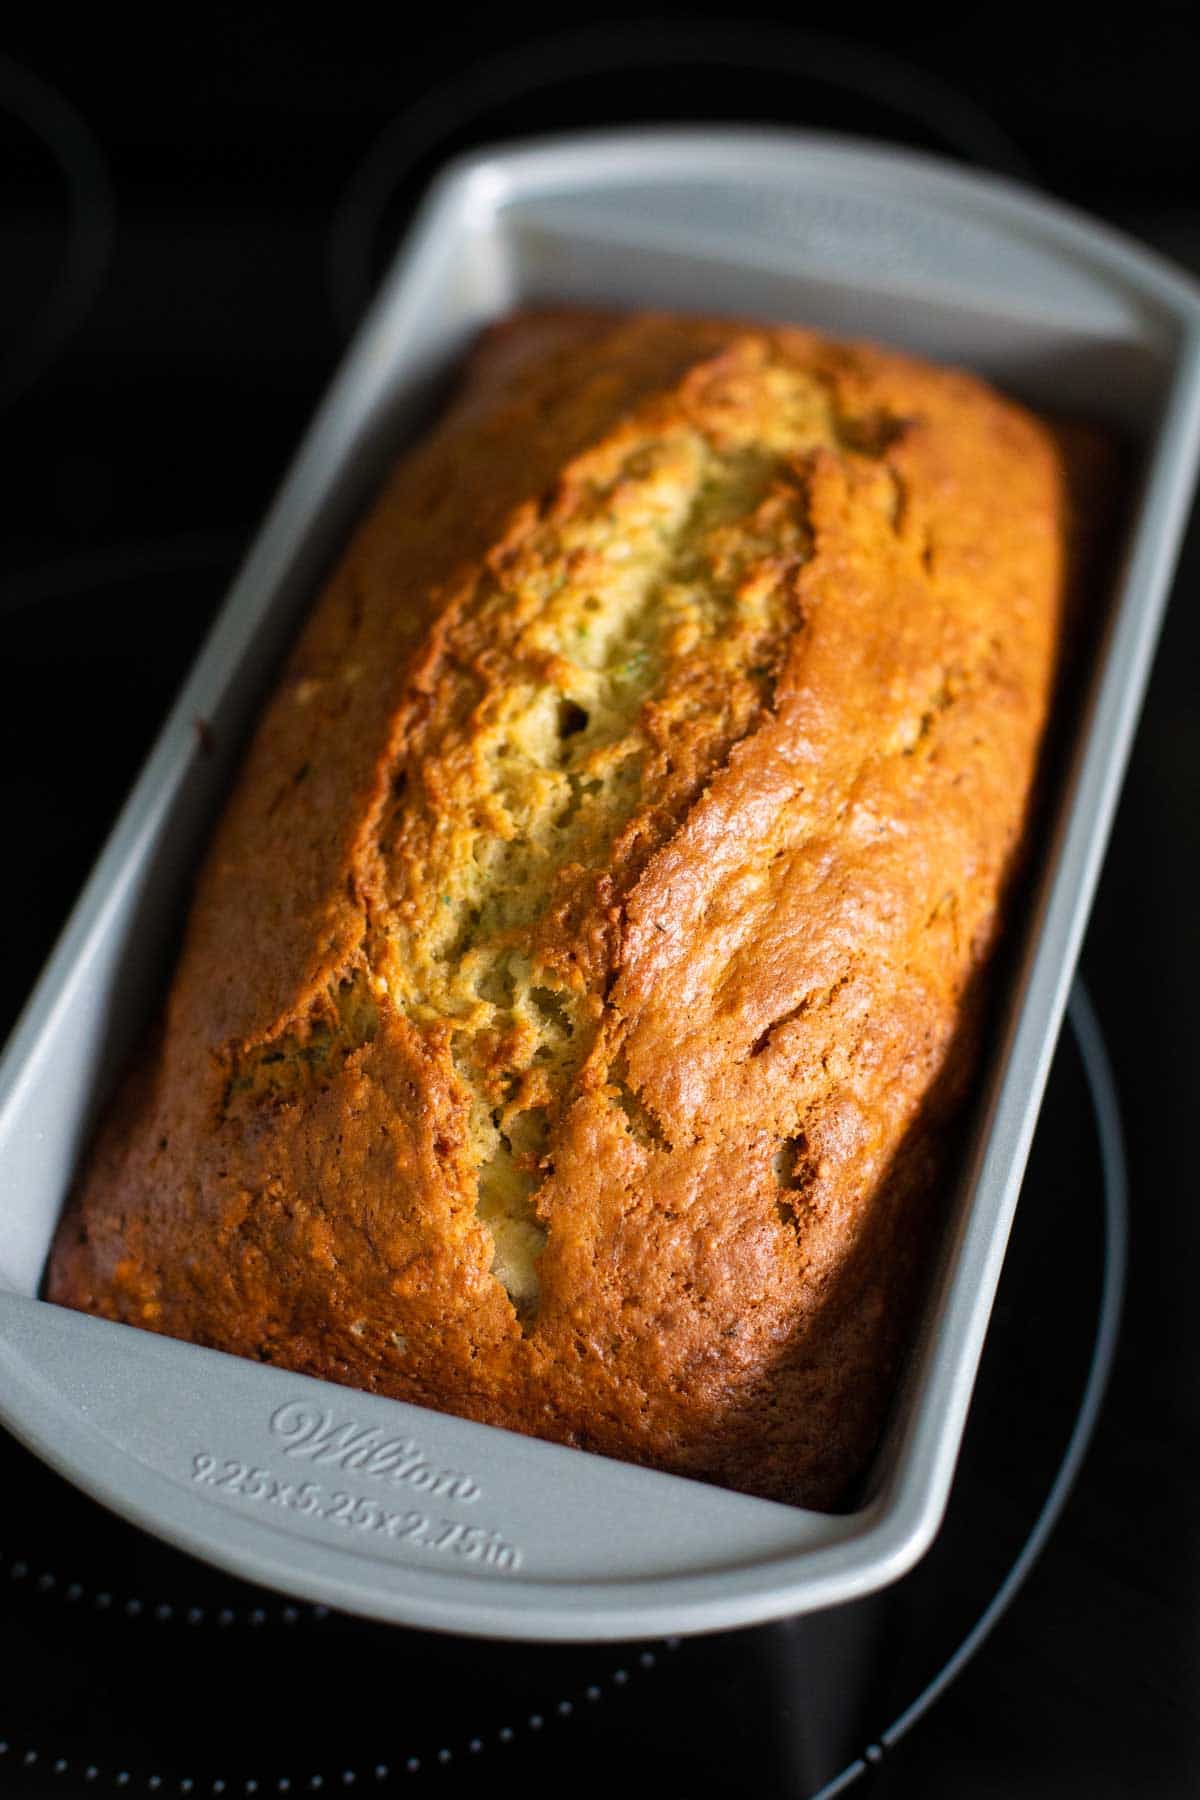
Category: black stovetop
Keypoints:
(193, 216)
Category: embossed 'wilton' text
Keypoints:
(321, 1438)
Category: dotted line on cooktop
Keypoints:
(160, 1612)
(218, 1785)
(165, 1612)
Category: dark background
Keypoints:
(157, 368)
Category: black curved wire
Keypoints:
(115, 564)
(1106, 1111)
(526, 69)
(90, 230)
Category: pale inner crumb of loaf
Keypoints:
(651, 587)
(651, 591)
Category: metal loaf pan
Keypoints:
(403, 1514)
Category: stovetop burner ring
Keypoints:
(160, 1612)
(154, 1783)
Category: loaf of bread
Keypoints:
(585, 975)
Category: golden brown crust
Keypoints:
(586, 969)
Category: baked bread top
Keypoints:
(585, 973)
